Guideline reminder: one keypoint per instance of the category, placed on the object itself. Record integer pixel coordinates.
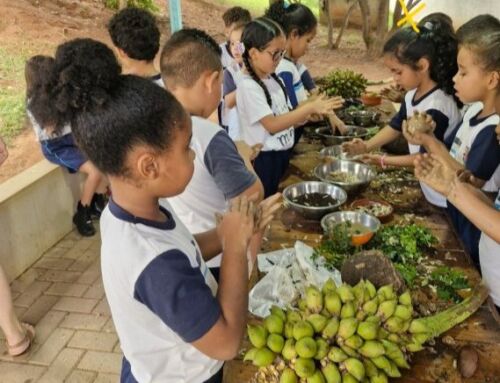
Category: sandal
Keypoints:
(25, 344)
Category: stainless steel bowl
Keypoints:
(364, 117)
(334, 152)
(352, 132)
(364, 173)
(331, 220)
(307, 187)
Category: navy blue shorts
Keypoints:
(270, 166)
(64, 152)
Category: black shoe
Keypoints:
(83, 221)
(97, 205)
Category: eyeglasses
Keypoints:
(276, 55)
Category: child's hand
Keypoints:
(266, 211)
(246, 151)
(3, 151)
(356, 146)
(372, 159)
(337, 124)
(236, 226)
(415, 138)
(434, 171)
(323, 105)
(393, 93)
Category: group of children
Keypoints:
(175, 280)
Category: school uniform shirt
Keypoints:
(444, 111)
(253, 106)
(489, 259)
(306, 77)
(152, 274)
(158, 80)
(474, 145)
(219, 175)
(226, 57)
(290, 75)
(493, 184)
(42, 134)
(229, 117)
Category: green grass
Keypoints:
(12, 89)
(257, 7)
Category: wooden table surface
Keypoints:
(437, 364)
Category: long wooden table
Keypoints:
(435, 364)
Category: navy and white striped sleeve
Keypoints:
(484, 154)
(228, 84)
(169, 286)
(307, 80)
(287, 78)
(397, 121)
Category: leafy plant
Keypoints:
(345, 83)
(143, 4)
(448, 281)
(408, 273)
(336, 249)
(403, 244)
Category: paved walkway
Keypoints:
(63, 296)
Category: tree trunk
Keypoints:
(377, 44)
(365, 14)
(344, 24)
(122, 4)
(330, 23)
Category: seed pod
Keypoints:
(250, 354)
(274, 324)
(368, 330)
(372, 291)
(405, 299)
(382, 333)
(386, 309)
(387, 292)
(331, 373)
(417, 327)
(349, 351)
(414, 347)
(275, 343)
(333, 303)
(257, 334)
(293, 316)
(302, 329)
(318, 322)
(348, 378)
(278, 311)
(329, 286)
(392, 371)
(347, 328)
(373, 319)
(348, 310)
(305, 367)
(314, 299)
(392, 351)
(394, 338)
(394, 325)
(359, 291)
(263, 357)
(372, 349)
(337, 355)
(306, 347)
(403, 312)
(316, 378)
(354, 342)
(370, 307)
(370, 369)
(288, 376)
(354, 367)
(381, 362)
(379, 378)
(288, 351)
(345, 293)
(331, 328)
(288, 331)
(322, 349)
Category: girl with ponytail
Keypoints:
(263, 104)
(424, 65)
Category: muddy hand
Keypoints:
(356, 146)
(267, 210)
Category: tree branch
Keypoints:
(344, 24)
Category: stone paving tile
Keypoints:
(91, 274)
(92, 340)
(56, 251)
(118, 348)
(67, 289)
(60, 276)
(30, 295)
(102, 308)
(95, 291)
(20, 373)
(52, 346)
(79, 376)
(84, 322)
(48, 324)
(25, 280)
(80, 265)
(38, 309)
(102, 362)
(62, 365)
(78, 249)
(53, 263)
(107, 378)
(77, 305)
(109, 327)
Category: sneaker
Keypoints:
(83, 221)
(97, 205)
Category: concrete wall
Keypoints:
(36, 208)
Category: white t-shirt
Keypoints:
(489, 259)
(290, 75)
(153, 273)
(226, 58)
(219, 175)
(232, 77)
(252, 107)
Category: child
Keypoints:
(473, 144)
(263, 105)
(18, 335)
(56, 140)
(423, 64)
(173, 321)
(190, 62)
(232, 17)
(136, 39)
(232, 76)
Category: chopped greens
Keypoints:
(448, 281)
